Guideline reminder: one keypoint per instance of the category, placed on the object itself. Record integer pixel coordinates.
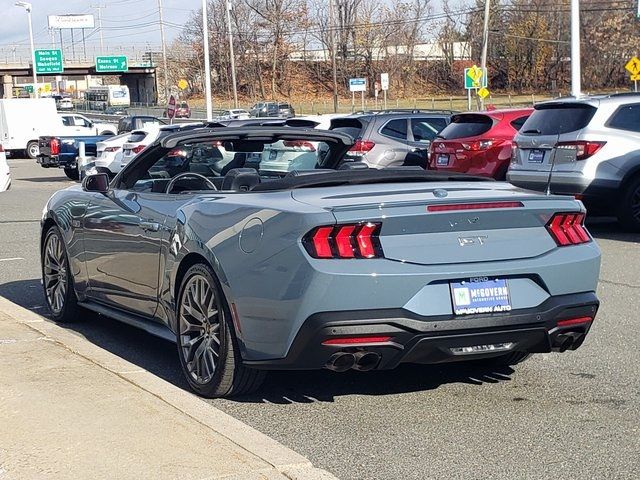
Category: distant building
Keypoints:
(422, 51)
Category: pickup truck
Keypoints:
(62, 152)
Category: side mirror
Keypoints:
(98, 182)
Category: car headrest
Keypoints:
(240, 179)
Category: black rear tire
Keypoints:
(72, 173)
(69, 311)
(230, 377)
(629, 209)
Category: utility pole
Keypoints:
(27, 7)
(232, 55)
(575, 48)
(207, 61)
(332, 33)
(485, 44)
(99, 7)
(164, 53)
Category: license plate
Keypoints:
(272, 155)
(536, 156)
(442, 160)
(480, 296)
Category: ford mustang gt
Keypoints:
(336, 266)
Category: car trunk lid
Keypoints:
(447, 223)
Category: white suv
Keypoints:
(588, 147)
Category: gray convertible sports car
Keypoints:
(338, 266)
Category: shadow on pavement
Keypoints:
(283, 387)
(44, 179)
(608, 228)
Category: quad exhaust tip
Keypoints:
(361, 361)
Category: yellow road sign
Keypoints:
(475, 74)
(483, 93)
(182, 84)
(633, 66)
(635, 78)
(47, 87)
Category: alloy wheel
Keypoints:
(199, 328)
(55, 273)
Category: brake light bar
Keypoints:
(344, 241)
(357, 340)
(574, 321)
(451, 207)
(568, 229)
(582, 148)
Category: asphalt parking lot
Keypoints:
(575, 415)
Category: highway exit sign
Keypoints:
(112, 63)
(48, 61)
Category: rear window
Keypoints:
(555, 119)
(426, 129)
(350, 126)
(467, 125)
(136, 137)
(627, 117)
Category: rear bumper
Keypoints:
(418, 339)
(48, 162)
(565, 183)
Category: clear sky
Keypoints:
(124, 22)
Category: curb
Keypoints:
(290, 464)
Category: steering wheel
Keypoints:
(180, 176)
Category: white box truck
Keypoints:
(23, 120)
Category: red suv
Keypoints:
(478, 143)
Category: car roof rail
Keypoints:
(623, 94)
(391, 111)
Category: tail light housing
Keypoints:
(582, 148)
(54, 146)
(1, 148)
(482, 144)
(112, 149)
(361, 147)
(568, 229)
(301, 145)
(138, 148)
(344, 241)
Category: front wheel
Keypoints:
(629, 209)
(56, 278)
(72, 173)
(207, 345)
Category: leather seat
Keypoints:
(240, 179)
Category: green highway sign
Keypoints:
(48, 61)
(113, 63)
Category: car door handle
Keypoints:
(150, 226)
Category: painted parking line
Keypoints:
(13, 259)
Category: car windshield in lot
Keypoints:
(466, 125)
(558, 118)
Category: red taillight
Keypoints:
(112, 149)
(483, 144)
(138, 148)
(472, 206)
(357, 340)
(299, 145)
(361, 147)
(568, 229)
(344, 241)
(54, 146)
(582, 148)
(574, 321)
(1, 148)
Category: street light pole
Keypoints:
(207, 64)
(485, 43)
(575, 48)
(27, 7)
(164, 53)
(233, 57)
